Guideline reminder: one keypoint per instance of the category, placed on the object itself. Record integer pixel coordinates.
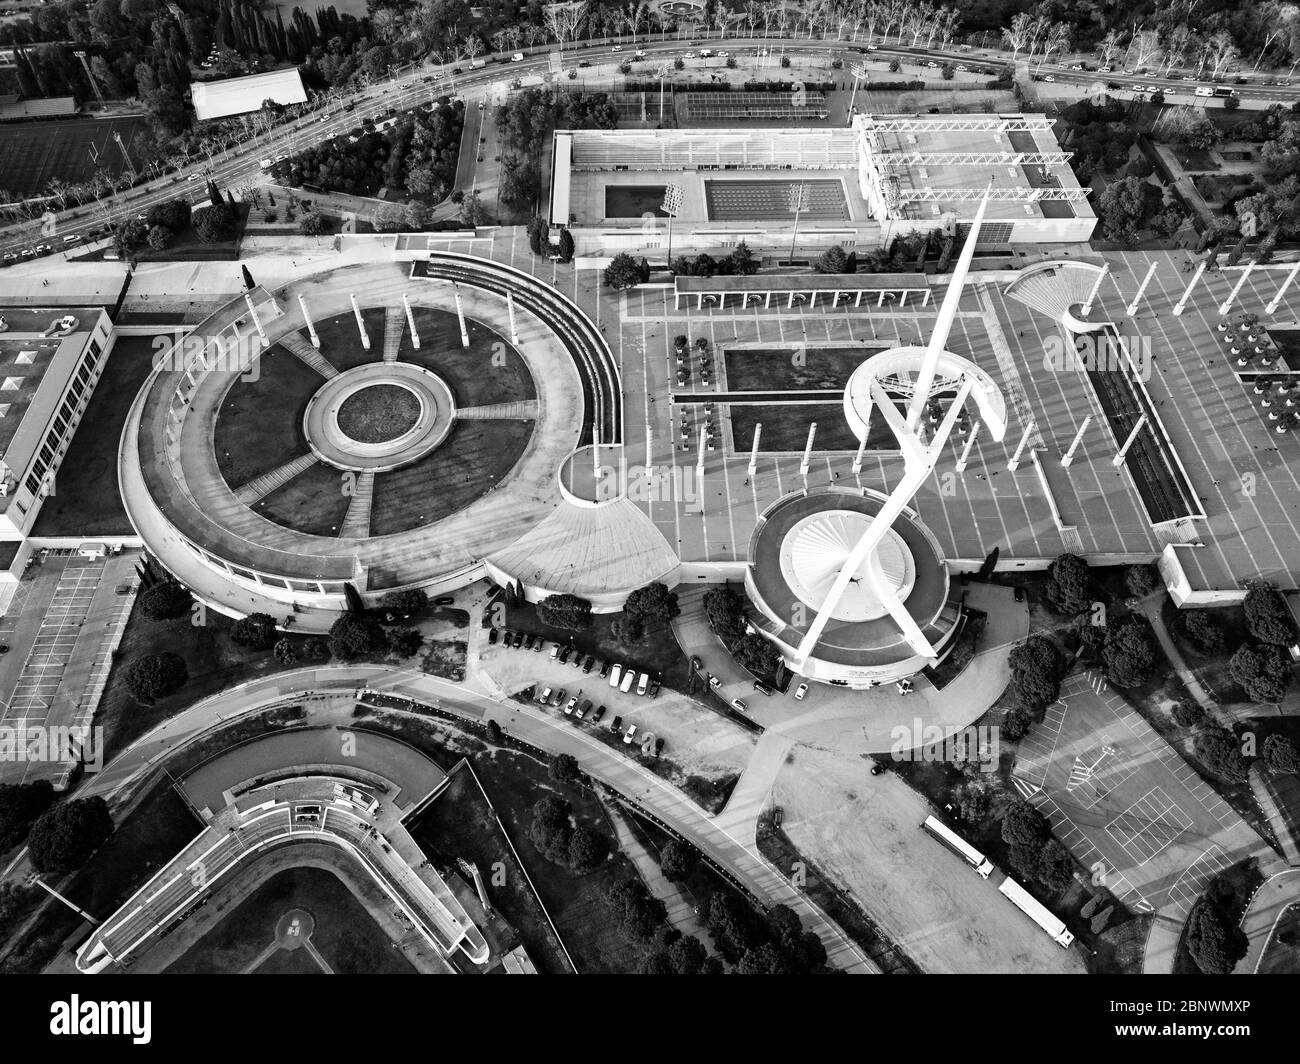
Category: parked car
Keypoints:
(444, 600)
(539, 644)
(600, 712)
(629, 677)
(519, 640)
(714, 682)
(584, 63)
(627, 735)
(696, 663)
(555, 651)
(615, 675)
(545, 696)
(643, 684)
(559, 697)
(761, 687)
(583, 709)
(616, 725)
(800, 691)
(654, 689)
(570, 705)
(604, 669)
(877, 767)
(563, 659)
(528, 641)
(736, 703)
(589, 663)
(493, 635)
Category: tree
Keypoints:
(725, 612)
(20, 805)
(832, 260)
(1141, 580)
(1036, 671)
(565, 611)
(494, 731)
(1218, 750)
(678, 860)
(130, 236)
(733, 925)
(410, 601)
(16, 901)
(284, 651)
(687, 956)
(155, 676)
(313, 223)
(166, 600)
(1069, 587)
(1262, 670)
(1025, 826)
(474, 212)
(622, 272)
(654, 602)
(316, 649)
(1188, 714)
(159, 238)
(173, 215)
(566, 246)
(588, 849)
(550, 829)
(757, 654)
(627, 629)
(1130, 651)
(256, 631)
(638, 914)
(1280, 754)
(1201, 630)
(1213, 939)
(1267, 617)
(406, 643)
(214, 224)
(65, 836)
(1055, 867)
(744, 263)
(353, 636)
(1125, 206)
(563, 768)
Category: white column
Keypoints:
(410, 320)
(1068, 457)
(248, 298)
(753, 451)
(1020, 447)
(699, 471)
(1132, 308)
(361, 325)
(460, 314)
(1118, 460)
(965, 451)
(1273, 303)
(1226, 305)
(311, 328)
(857, 458)
(1178, 307)
(510, 308)
(1096, 287)
(807, 451)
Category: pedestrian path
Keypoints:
(522, 410)
(295, 344)
(394, 322)
(260, 487)
(356, 523)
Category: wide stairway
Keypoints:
(1053, 288)
(294, 343)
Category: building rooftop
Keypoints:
(237, 96)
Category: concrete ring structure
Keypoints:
(330, 443)
(799, 546)
(239, 561)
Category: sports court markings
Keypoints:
(1148, 826)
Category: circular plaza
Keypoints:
(384, 426)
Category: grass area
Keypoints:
(86, 501)
(312, 502)
(186, 246)
(461, 824)
(259, 422)
(445, 658)
(379, 413)
(157, 829)
(340, 342)
(785, 428)
(214, 662)
(345, 933)
(775, 845)
(475, 456)
(490, 370)
(791, 369)
(1282, 953)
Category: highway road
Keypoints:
(417, 85)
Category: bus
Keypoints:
(959, 846)
(1036, 911)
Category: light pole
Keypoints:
(671, 205)
(859, 72)
(91, 78)
(798, 201)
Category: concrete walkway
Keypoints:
(1276, 894)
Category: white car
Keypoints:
(615, 675)
(931, 63)
(962, 67)
(568, 706)
(617, 48)
(724, 55)
(690, 55)
(627, 735)
(640, 53)
(1048, 77)
(800, 691)
(545, 698)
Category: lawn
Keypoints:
(474, 458)
(790, 369)
(490, 370)
(379, 413)
(86, 500)
(340, 342)
(785, 428)
(259, 422)
(345, 933)
(313, 502)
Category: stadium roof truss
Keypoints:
(899, 160)
(955, 123)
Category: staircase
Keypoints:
(394, 323)
(356, 523)
(260, 487)
(522, 410)
(295, 344)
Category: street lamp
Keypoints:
(859, 72)
(798, 203)
(671, 205)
